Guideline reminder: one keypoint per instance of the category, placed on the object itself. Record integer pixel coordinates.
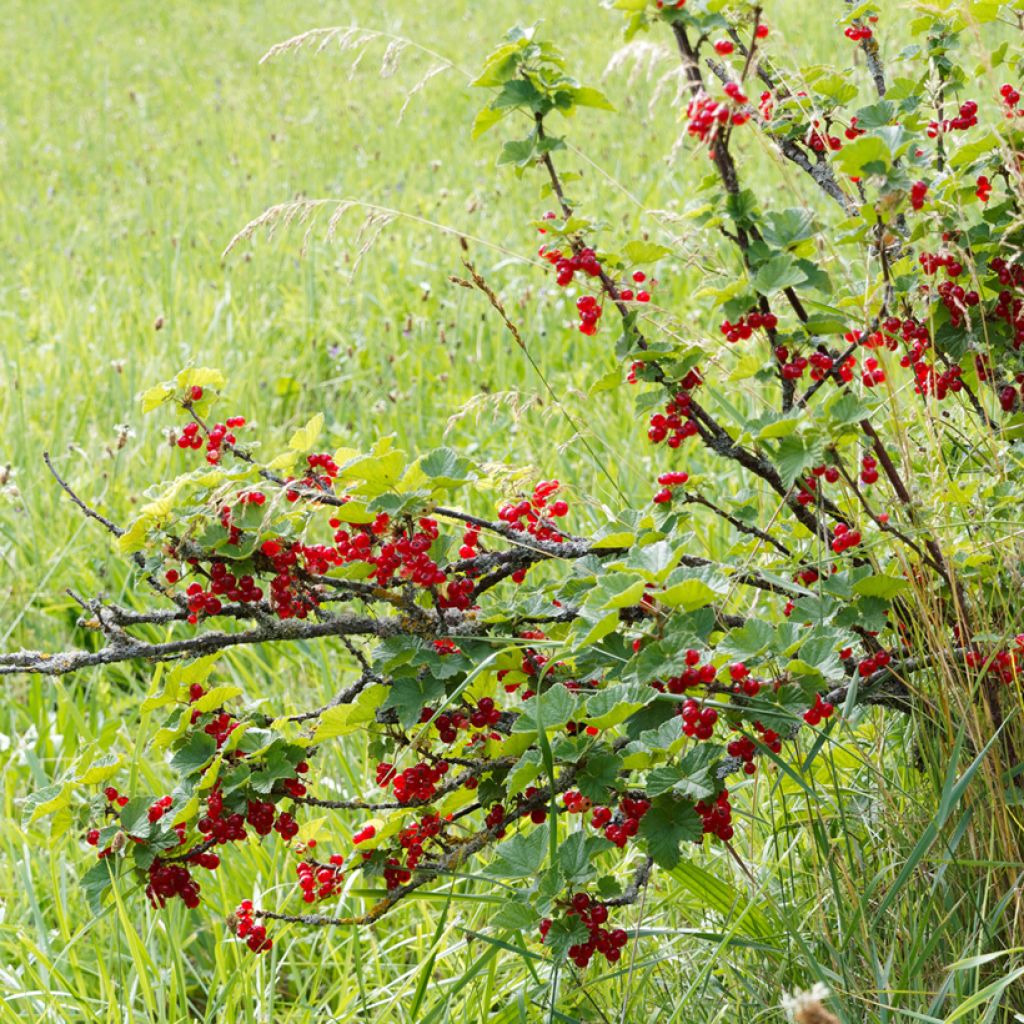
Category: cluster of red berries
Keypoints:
(567, 266)
(220, 435)
(494, 819)
(314, 480)
(918, 191)
(365, 833)
(769, 737)
(746, 325)
(538, 815)
(844, 538)
(983, 189)
(668, 481)
(820, 710)
(255, 935)
(745, 750)
(1011, 98)
(413, 836)
(320, 881)
(534, 516)
(872, 374)
(931, 262)
(698, 722)
(917, 337)
(448, 725)
(957, 301)
(819, 139)
(822, 364)
(642, 294)
(868, 470)
(1010, 307)
(705, 116)
(873, 663)
(223, 583)
(159, 809)
(470, 543)
(742, 681)
(1007, 666)
(858, 33)
(221, 829)
(220, 727)
(416, 784)
(203, 858)
(609, 943)
(717, 816)
(167, 880)
(590, 313)
(632, 810)
(395, 875)
(852, 131)
(792, 369)
(695, 674)
(576, 803)
(114, 797)
(967, 117)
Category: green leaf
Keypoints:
(100, 770)
(500, 65)
(485, 120)
(692, 776)
(588, 97)
(377, 472)
(598, 776)
(883, 586)
(193, 757)
(552, 708)
(446, 468)
(519, 152)
(281, 759)
(638, 253)
(522, 855)
(97, 880)
(667, 824)
(135, 816)
(779, 272)
(795, 455)
(304, 438)
(515, 915)
(655, 561)
(154, 397)
(783, 228)
(691, 589)
(410, 695)
(577, 854)
(524, 771)
(202, 377)
(520, 92)
(347, 718)
(564, 933)
(972, 151)
(748, 641)
(818, 657)
(867, 154)
(877, 115)
(216, 697)
(42, 802)
(616, 703)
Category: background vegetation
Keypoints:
(137, 138)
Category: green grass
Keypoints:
(137, 139)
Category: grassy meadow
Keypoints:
(136, 139)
